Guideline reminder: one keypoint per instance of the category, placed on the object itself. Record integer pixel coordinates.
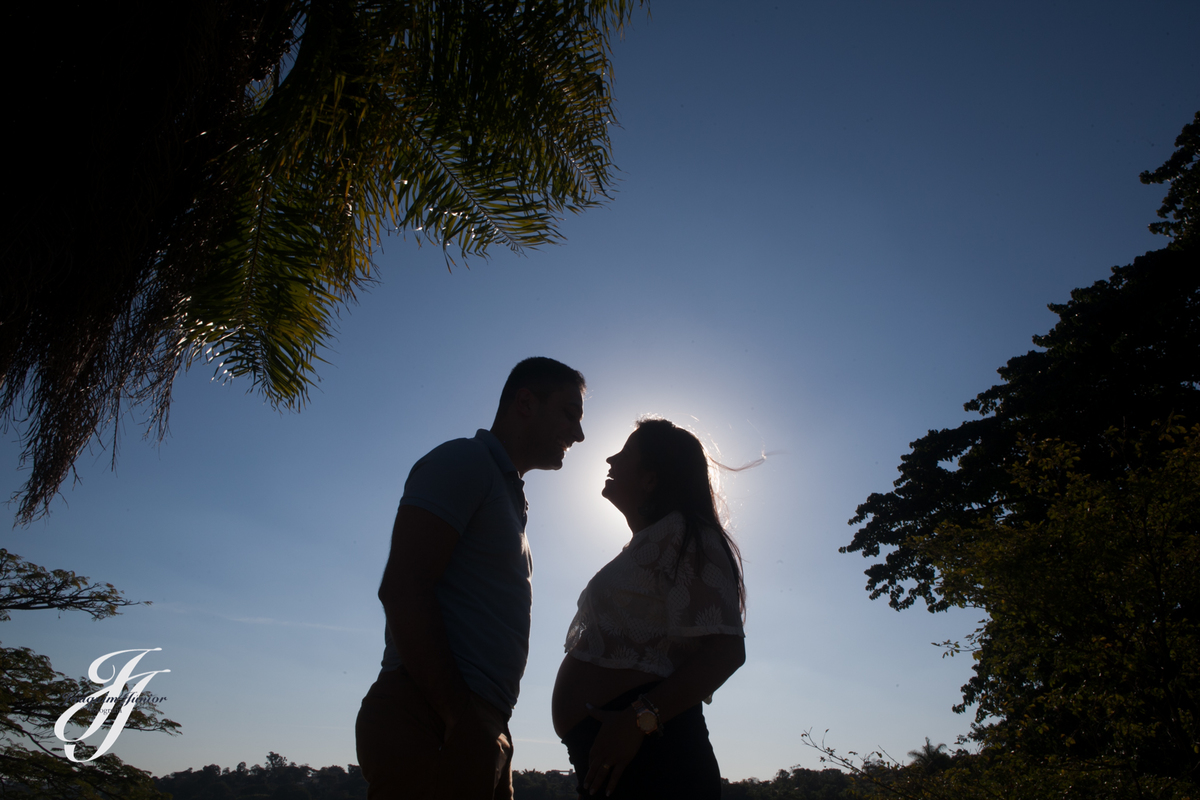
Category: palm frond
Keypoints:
(232, 210)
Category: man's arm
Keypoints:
(422, 544)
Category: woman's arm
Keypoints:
(619, 739)
(718, 657)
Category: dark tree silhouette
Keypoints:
(1180, 210)
(207, 181)
(33, 695)
(1069, 515)
(1125, 352)
(930, 757)
(335, 783)
(1092, 633)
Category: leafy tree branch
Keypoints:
(229, 207)
(1180, 211)
(29, 587)
(33, 695)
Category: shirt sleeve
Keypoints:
(703, 598)
(451, 481)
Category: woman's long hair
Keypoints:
(681, 468)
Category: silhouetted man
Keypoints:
(456, 592)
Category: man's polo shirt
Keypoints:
(486, 593)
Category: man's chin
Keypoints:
(554, 460)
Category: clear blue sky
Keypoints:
(834, 223)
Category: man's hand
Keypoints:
(616, 744)
(454, 717)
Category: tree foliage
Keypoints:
(992, 774)
(1072, 521)
(33, 695)
(530, 784)
(1125, 352)
(796, 783)
(283, 779)
(1069, 514)
(1090, 652)
(930, 757)
(278, 778)
(230, 167)
(1180, 211)
(29, 587)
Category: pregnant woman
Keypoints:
(658, 629)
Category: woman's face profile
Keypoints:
(629, 484)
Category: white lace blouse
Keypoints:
(639, 612)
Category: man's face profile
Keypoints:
(555, 425)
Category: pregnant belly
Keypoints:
(579, 683)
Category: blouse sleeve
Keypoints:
(703, 594)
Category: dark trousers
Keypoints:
(403, 756)
(678, 764)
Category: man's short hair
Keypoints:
(540, 375)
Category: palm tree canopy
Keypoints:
(229, 166)
(929, 754)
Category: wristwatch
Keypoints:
(646, 715)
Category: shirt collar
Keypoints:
(499, 454)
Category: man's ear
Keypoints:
(525, 403)
(650, 482)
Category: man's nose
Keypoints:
(578, 432)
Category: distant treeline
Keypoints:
(281, 779)
(278, 780)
